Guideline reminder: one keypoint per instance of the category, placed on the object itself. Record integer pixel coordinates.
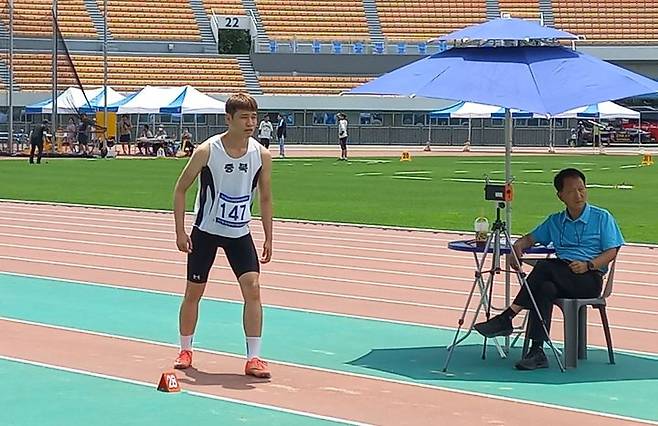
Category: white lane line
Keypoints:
(349, 374)
(305, 243)
(170, 232)
(620, 269)
(168, 223)
(232, 283)
(295, 290)
(194, 393)
(625, 253)
(151, 260)
(278, 250)
(87, 207)
(119, 217)
(331, 255)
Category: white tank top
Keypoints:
(226, 189)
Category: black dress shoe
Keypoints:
(497, 326)
(533, 360)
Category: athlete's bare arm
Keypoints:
(265, 192)
(197, 162)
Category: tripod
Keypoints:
(493, 245)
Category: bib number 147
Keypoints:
(236, 212)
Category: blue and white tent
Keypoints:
(602, 110)
(191, 101)
(476, 110)
(73, 100)
(168, 100)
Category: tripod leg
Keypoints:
(521, 277)
(483, 299)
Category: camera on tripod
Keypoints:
(498, 192)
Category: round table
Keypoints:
(471, 247)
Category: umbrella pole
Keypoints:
(508, 206)
(551, 134)
(470, 128)
(10, 133)
(53, 118)
(107, 128)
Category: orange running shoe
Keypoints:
(258, 368)
(184, 360)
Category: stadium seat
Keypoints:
(521, 9)
(314, 20)
(32, 72)
(410, 20)
(609, 21)
(33, 19)
(315, 84)
(152, 20)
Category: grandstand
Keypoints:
(314, 19)
(303, 47)
(627, 21)
(305, 85)
(129, 73)
(521, 9)
(224, 7)
(422, 20)
(152, 20)
(32, 19)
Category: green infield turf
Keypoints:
(430, 192)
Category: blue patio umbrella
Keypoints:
(543, 79)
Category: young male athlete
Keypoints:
(230, 165)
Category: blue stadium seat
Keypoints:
(402, 48)
(316, 46)
(357, 48)
(273, 46)
(378, 47)
(337, 47)
(422, 48)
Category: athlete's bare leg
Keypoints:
(252, 314)
(189, 308)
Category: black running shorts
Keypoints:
(240, 252)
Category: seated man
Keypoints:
(186, 142)
(144, 139)
(586, 239)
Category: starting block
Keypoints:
(168, 383)
(647, 160)
(405, 156)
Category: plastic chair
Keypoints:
(574, 312)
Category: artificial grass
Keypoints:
(420, 193)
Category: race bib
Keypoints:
(233, 211)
